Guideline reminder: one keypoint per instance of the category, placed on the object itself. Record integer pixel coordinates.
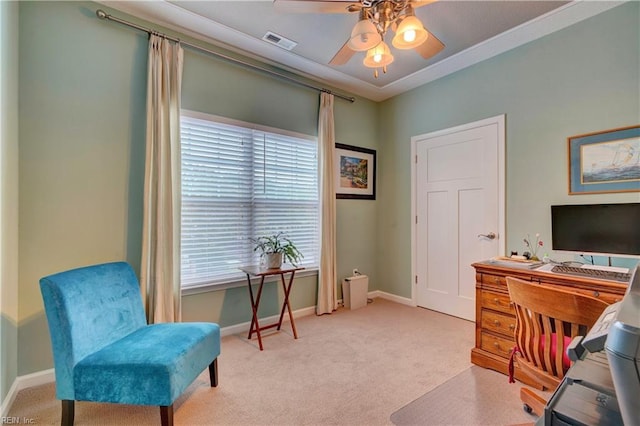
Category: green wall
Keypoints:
(8, 196)
(82, 134)
(582, 79)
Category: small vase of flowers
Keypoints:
(532, 247)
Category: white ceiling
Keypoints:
(470, 30)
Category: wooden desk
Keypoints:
(495, 317)
(257, 271)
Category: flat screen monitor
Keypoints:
(600, 229)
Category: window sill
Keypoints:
(241, 282)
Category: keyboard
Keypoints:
(592, 273)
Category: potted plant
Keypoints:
(276, 248)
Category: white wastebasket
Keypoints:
(355, 291)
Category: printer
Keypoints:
(602, 387)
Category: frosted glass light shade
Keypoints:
(410, 34)
(379, 56)
(364, 36)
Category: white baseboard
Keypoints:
(24, 382)
(392, 297)
(8, 401)
(388, 296)
(244, 327)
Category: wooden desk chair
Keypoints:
(546, 319)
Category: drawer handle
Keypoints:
(596, 293)
(496, 280)
(496, 344)
(512, 326)
(496, 301)
(496, 323)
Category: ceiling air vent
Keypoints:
(279, 41)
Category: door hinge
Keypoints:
(416, 158)
(416, 279)
(416, 219)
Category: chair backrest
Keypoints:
(87, 309)
(546, 320)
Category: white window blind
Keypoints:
(239, 183)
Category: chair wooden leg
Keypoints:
(166, 415)
(213, 373)
(67, 412)
(532, 400)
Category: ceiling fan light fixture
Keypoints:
(379, 56)
(410, 33)
(364, 35)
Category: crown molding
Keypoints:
(174, 17)
(539, 27)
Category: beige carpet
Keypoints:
(349, 368)
(470, 398)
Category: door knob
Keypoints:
(490, 236)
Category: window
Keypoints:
(238, 182)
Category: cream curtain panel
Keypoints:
(160, 269)
(327, 287)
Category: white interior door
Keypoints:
(459, 212)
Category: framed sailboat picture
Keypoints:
(607, 161)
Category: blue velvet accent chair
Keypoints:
(104, 351)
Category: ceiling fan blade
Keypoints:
(313, 6)
(344, 54)
(430, 47)
(420, 3)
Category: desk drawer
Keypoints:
(500, 346)
(496, 301)
(497, 322)
(494, 280)
(604, 296)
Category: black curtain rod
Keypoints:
(104, 15)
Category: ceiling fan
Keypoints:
(376, 17)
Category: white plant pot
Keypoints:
(273, 260)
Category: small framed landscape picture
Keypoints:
(607, 161)
(355, 172)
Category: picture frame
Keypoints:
(605, 162)
(355, 172)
